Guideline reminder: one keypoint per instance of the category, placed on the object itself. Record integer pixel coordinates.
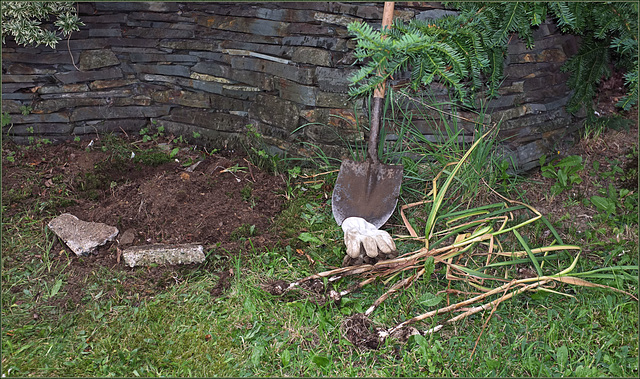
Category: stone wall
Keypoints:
(214, 68)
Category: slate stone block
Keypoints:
(338, 19)
(97, 33)
(120, 92)
(37, 58)
(225, 35)
(15, 87)
(301, 75)
(105, 19)
(275, 111)
(24, 79)
(23, 69)
(39, 129)
(99, 85)
(163, 69)
(252, 78)
(199, 100)
(154, 33)
(17, 96)
(135, 6)
(92, 59)
(111, 126)
(54, 105)
(11, 106)
(155, 16)
(240, 92)
(334, 79)
(273, 50)
(211, 87)
(331, 126)
(295, 92)
(84, 76)
(152, 57)
(336, 100)
(244, 25)
(312, 56)
(208, 120)
(286, 15)
(434, 14)
(321, 42)
(104, 113)
(44, 118)
(90, 43)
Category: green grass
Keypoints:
(183, 330)
(248, 332)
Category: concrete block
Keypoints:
(163, 254)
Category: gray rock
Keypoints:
(82, 237)
(435, 14)
(154, 57)
(169, 69)
(127, 238)
(295, 92)
(276, 111)
(102, 113)
(40, 118)
(36, 129)
(313, 56)
(163, 254)
(105, 33)
(301, 75)
(334, 79)
(83, 76)
(91, 59)
(207, 119)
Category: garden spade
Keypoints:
(369, 189)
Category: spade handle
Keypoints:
(378, 94)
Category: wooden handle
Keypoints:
(378, 95)
(387, 20)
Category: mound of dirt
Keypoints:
(218, 200)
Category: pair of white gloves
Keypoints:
(361, 235)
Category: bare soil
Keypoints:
(217, 200)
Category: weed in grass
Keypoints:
(566, 172)
(243, 232)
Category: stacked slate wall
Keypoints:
(211, 69)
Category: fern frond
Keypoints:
(566, 18)
(588, 66)
(510, 23)
(631, 98)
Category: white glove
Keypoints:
(358, 233)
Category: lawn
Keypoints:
(266, 222)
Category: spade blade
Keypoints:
(366, 189)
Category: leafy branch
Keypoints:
(24, 21)
(466, 51)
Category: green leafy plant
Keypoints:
(25, 109)
(256, 149)
(463, 51)
(566, 172)
(23, 21)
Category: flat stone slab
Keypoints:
(163, 254)
(82, 237)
